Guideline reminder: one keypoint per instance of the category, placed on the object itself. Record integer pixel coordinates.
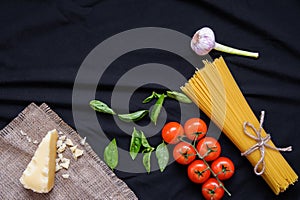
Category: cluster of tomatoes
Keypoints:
(209, 165)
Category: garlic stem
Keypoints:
(227, 49)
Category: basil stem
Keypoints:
(148, 99)
(135, 144)
(146, 160)
(153, 96)
(101, 107)
(111, 154)
(156, 109)
(135, 116)
(158, 95)
(162, 155)
(178, 96)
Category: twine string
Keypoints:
(261, 144)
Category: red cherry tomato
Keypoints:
(198, 171)
(223, 167)
(211, 190)
(184, 153)
(171, 131)
(195, 128)
(209, 147)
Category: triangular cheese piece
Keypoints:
(40, 173)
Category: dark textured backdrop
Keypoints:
(42, 45)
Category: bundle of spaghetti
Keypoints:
(214, 90)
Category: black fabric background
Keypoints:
(42, 45)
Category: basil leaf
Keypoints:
(111, 154)
(156, 109)
(146, 161)
(101, 107)
(135, 144)
(144, 140)
(133, 116)
(162, 155)
(178, 96)
(148, 99)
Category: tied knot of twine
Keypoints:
(261, 144)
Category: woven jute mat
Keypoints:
(89, 177)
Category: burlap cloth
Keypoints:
(89, 177)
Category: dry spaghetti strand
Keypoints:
(214, 90)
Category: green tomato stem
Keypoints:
(227, 49)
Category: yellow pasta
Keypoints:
(214, 90)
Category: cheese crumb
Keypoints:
(60, 156)
(63, 138)
(69, 142)
(65, 176)
(60, 133)
(28, 138)
(61, 148)
(73, 148)
(82, 142)
(59, 143)
(65, 163)
(35, 142)
(57, 167)
(22, 133)
(77, 153)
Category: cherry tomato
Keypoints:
(198, 171)
(184, 153)
(211, 190)
(171, 131)
(209, 147)
(223, 167)
(195, 128)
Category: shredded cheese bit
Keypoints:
(28, 138)
(59, 143)
(73, 148)
(82, 142)
(65, 163)
(77, 153)
(22, 133)
(62, 138)
(35, 142)
(57, 167)
(69, 142)
(65, 176)
(62, 148)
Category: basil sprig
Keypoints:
(178, 96)
(156, 109)
(111, 156)
(147, 160)
(135, 144)
(135, 116)
(162, 155)
(170, 94)
(99, 106)
(138, 140)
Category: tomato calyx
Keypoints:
(200, 173)
(225, 169)
(210, 149)
(186, 154)
(211, 191)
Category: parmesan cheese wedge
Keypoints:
(40, 172)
